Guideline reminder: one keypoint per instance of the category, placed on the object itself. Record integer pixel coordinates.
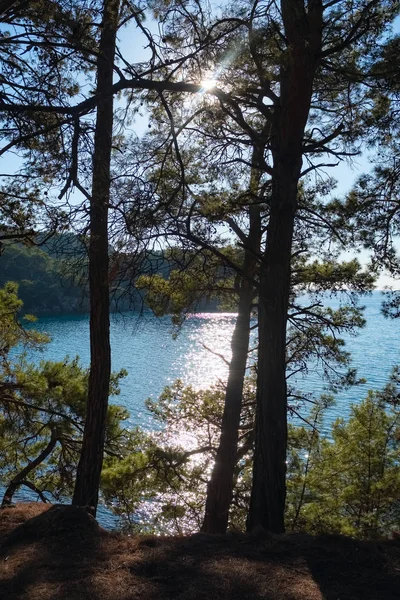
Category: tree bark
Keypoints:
(269, 469)
(303, 31)
(220, 486)
(91, 459)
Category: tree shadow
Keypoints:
(354, 570)
(215, 567)
(65, 554)
(46, 552)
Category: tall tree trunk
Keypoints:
(91, 459)
(269, 470)
(303, 30)
(220, 486)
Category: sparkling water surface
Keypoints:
(144, 346)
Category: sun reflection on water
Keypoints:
(206, 361)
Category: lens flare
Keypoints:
(208, 84)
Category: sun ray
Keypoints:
(208, 84)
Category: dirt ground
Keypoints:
(61, 553)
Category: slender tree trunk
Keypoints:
(90, 464)
(20, 477)
(303, 30)
(220, 486)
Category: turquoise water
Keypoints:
(144, 346)
(375, 350)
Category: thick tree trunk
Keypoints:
(303, 30)
(220, 486)
(269, 470)
(90, 464)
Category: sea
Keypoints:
(155, 354)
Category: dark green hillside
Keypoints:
(43, 283)
(52, 277)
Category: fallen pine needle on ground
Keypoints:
(60, 552)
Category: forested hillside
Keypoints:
(52, 278)
(44, 284)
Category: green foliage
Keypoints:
(11, 331)
(194, 280)
(52, 278)
(43, 287)
(349, 484)
(331, 276)
(314, 342)
(46, 52)
(41, 404)
(169, 296)
(158, 483)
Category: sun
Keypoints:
(208, 84)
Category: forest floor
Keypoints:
(62, 553)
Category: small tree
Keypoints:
(42, 409)
(360, 463)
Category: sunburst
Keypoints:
(208, 84)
